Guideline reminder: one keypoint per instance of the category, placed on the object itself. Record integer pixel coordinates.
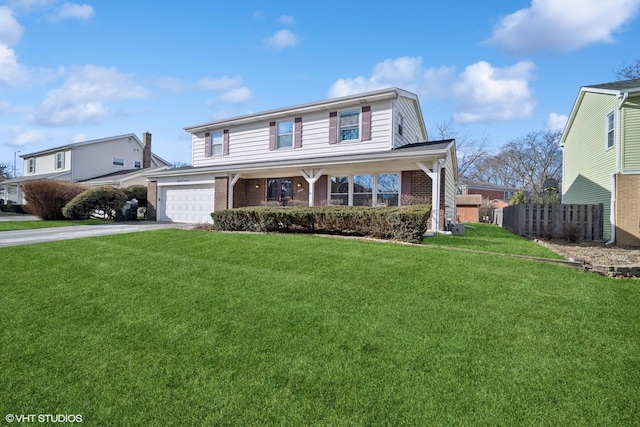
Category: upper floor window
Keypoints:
(60, 160)
(31, 165)
(216, 143)
(285, 134)
(117, 161)
(399, 121)
(611, 130)
(349, 126)
(137, 164)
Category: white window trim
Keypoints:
(374, 193)
(212, 135)
(400, 124)
(137, 164)
(31, 165)
(59, 158)
(338, 127)
(113, 162)
(611, 113)
(293, 133)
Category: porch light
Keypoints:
(257, 185)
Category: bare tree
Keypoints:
(470, 151)
(629, 71)
(6, 171)
(525, 163)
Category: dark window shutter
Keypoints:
(366, 123)
(207, 144)
(297, 133)
(406, 183)
(272, 136)
(333, 127)
(322, 184)
(225, 142)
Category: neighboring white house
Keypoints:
(365, 149)
(117, 160)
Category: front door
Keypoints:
(280, 190)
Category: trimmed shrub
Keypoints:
(46, 198)
(405, 223)
(21, 209)
(138, 192)
(103, 202)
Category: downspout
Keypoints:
(617, 171)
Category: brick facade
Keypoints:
(628, 210)
(152, 200)
(221, 194)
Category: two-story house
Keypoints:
(365, 149)
(108, 161)
(601, 156)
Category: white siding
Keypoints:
(92, 160)
(250, 142)
(46, 164)
(412, 129)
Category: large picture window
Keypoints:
(349, 126)
(366, 190)
(611, 129)
(340, 189)
(285, 134)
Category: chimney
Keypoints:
(146, 153)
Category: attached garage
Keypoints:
(188, 202)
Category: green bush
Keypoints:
(21, 209)
(103, 202)
(46, 198)
(405, 223)
(138, 192)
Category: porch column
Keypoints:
(232, 182)
(434, 174)
(311, 176)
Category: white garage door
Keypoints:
(192, 204)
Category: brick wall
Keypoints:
(421, 187)
(152, 200)
(221, 193)
(628, 210)
(301, 190)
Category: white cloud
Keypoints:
(22, 138)
(219, 84)
(405, 72)
(11, 73)
(562, 26)
(287, 20)
(84, 96)
(83, 12)
(487, 93)
(282, 39)
(10, 29)
(556, 122)
(239, 95)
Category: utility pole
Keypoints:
(14, 163)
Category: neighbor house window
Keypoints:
(611, 130)
(340, 189)
(137, 164)
(285, 134)
(399, 121)
(31, 165)
(349, 126)
(117, 161)
(59, 160)
(216, 143)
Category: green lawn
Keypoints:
(176, 327)
(27, 225)
(491, 238)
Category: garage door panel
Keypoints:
(191, 204)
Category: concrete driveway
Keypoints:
(41, 235)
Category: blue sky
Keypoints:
(78, 71)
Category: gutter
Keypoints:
(618, 168)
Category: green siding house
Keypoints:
(601, 156)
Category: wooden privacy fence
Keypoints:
(574, 222)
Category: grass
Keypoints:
(28, 225)
(176, 327)
(491, 238)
